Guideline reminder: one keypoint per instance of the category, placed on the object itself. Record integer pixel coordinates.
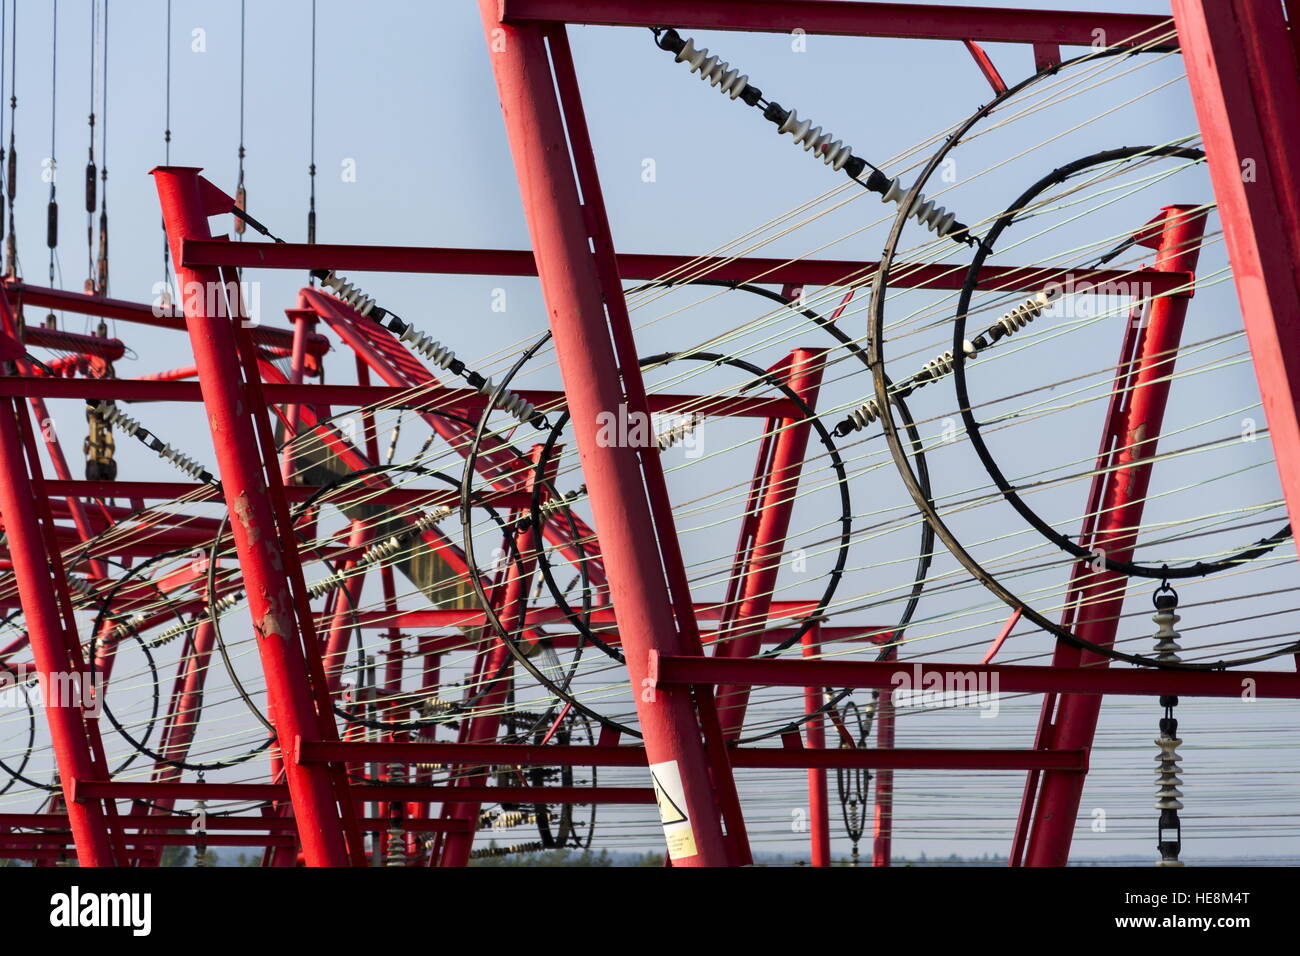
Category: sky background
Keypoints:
(405, 98)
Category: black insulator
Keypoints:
(776, 113)
(90, 187)
(52, 224)
(670, 40)
(13, 174)
(311, 226)
(878, 182)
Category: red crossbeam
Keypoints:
(767, 758)
(916, 21)
(990, 678)
(632, 266)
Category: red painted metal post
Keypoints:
(347, 598)
(304, 323)
(819, 824)
(494, 681)
(50, 643)
(589, 367)
(252, 522)
(1102, 599)
(882, 848)
(1243, 75)
(187, 703)
(775, 505)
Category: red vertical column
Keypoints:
(883, 826)
(1102, 599)
(819, 823)
(590, 369)
(257, 539)
(60, 671)
(775, 505)
(1241, 62)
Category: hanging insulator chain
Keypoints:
(437, 353)
(823, 145)
(1169, 782)
(110, 412)
(1169, 839)
(940, 367)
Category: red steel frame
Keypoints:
(1249, 109)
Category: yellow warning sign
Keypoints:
(673, 812)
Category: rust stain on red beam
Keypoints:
(913, 21)
(635, 266)
(147, 790)
(433, 398)
(141, 314)
(749, 757)
(990, 678)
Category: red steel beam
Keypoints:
(430, 398)
(819, 822)
(485, 723)
(882, 822)
(670, 671)
(767, 758)
(56, 652)
(253, 524)
(916, 21)
(260, 792)
(772, 500)
(637, 266)
(590, 368)
(176, 821)
(79, 303)
(105, 348)
(1243, 77)
(168, 490)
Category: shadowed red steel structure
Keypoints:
(1241, 62)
